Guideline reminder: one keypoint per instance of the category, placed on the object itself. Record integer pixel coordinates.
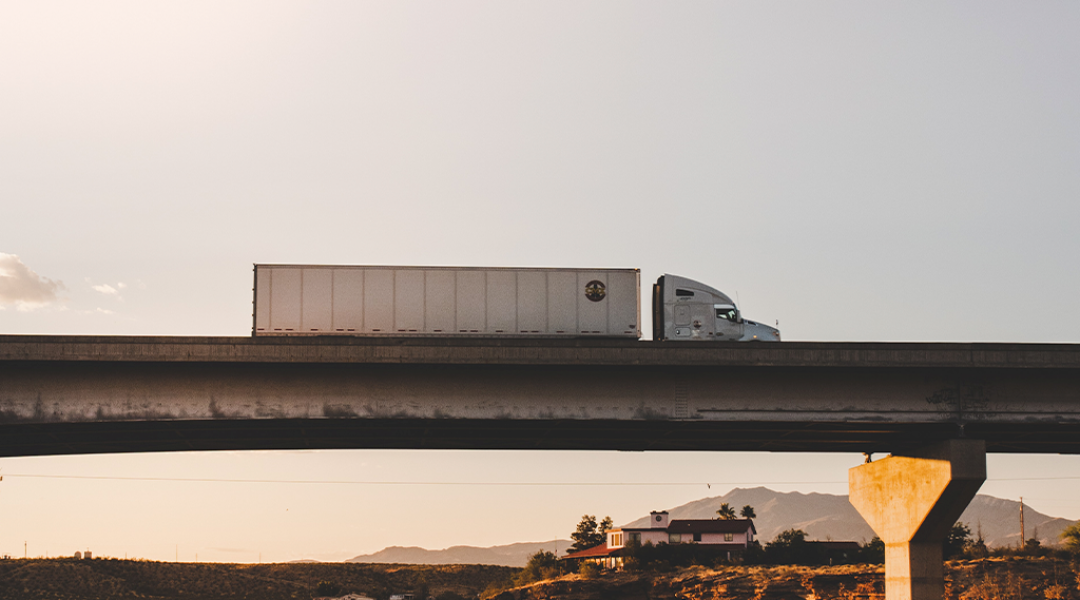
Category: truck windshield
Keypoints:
(727, 313)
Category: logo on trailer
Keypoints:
(595, 290)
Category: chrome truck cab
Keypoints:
(684, 309)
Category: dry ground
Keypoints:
(67, 579)
(988, 579)
(111, 579)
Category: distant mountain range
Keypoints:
(511, 555)
(821, 516)
(828, 516)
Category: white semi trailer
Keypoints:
(307, 300)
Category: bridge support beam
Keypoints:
(912, 501)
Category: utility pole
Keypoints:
(1023, 539)
(24, 549)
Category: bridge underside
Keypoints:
(35, 439)
(63, 407)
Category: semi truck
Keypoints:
(313, 300)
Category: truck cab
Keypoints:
(687, 310)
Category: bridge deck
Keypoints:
(85, 394)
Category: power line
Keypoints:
(470, 483)
(1033, 479)
(384, 482)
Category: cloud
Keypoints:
(22, 287)
(108, 290)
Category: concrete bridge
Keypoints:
(938, 408)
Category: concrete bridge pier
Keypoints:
(912, 500)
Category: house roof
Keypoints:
(594, 552)
(701, 526)
(711, 526)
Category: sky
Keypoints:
(854, 171)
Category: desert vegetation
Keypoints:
(70, 579)
(982, 579)
(791, 567)
(1003, 577)
(786, 568)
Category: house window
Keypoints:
(674, 538)
(616, 539)
(729, 537)
(635, 537)
(697, 537)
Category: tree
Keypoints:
(874, 551)
(635, 555)
(959, 538)
(788, 548)
(1071, 535)
(589, 533)
(747, 512)
(791, 537)
(605, 526)
(542, 565)
(726, 512)
(977, 547)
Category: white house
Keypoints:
(733, 535)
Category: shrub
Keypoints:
(873, 552)
(1071, 536)
(542, 565)
(589, 570)
(1056, 592)
(662, 557)
(790, 548)
(957, 541)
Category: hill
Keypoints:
(829, 516)
(70, 579)
(510, 555)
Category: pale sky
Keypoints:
(857, 171)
